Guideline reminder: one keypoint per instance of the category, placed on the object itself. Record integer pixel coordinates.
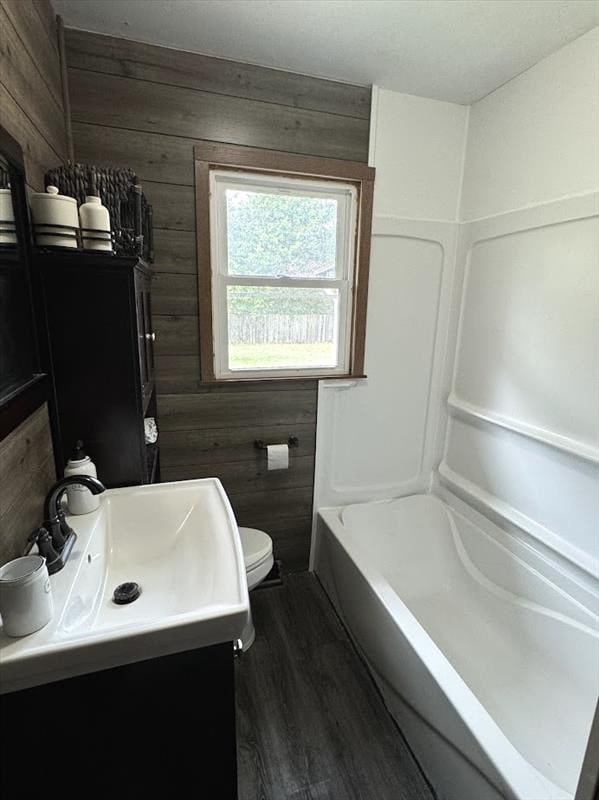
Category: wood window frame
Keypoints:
(209, 156)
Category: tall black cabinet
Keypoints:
(99, 327)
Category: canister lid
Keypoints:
(51, 193)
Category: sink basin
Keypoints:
(178, 541)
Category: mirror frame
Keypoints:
(20, 400)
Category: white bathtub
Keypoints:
(491, 670)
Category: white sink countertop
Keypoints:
(180, 542)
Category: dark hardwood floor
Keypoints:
(310, 723)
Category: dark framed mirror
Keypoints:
(20, 366)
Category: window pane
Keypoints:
(290, 328)
(275, 234)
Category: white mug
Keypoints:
(25, 595)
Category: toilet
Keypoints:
(258, 557)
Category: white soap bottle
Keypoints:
(95, 220)
(79, 498)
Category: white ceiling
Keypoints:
(455, 50)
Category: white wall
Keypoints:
(374, 439)
(522, 434)
(534, 139)
(418, 146)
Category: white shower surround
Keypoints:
(456, 413)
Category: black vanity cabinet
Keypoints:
(99, 327)
(162, 728)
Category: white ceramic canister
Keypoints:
(95, 221)
(25, 596)
(79, 498)
(7, 218)
(51, 208)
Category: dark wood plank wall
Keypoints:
(143, 106)
(30, 85)
(31, 111)
(26, 474)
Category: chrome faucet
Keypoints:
(62, 535)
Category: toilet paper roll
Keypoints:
(277, 456)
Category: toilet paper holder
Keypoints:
(293, 441)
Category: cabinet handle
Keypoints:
(151, 337)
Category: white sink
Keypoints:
(180, 543)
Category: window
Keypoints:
(282, 264)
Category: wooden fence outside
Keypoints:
(280, 328)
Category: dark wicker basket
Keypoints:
(130, 213)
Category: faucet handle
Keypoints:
(31, 540)
(45, 546)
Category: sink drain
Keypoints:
(126, 593)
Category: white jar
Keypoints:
(25, 595)
(50, 208)
(7, 218)
(95, 220)
(79, 498)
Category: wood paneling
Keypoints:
(254, 509)
(239, 409)
(175, 251)
(176, 374)
(158, 108)
(241, 477)
(31, 111)
(174, 294)
(145, 107)
(30, 85)
(20, 72)
(176, 335)
(173, 205)
(176, 68)
(37, 153)
(153, 156)
(21, 453)
(36, 28)
(221, 445)
(26, 474)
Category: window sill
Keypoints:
(282, 379)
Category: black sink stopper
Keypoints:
(126, 593)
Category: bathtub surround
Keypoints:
(521, 435)
(32, 112)
(167, 100)
(375, 437)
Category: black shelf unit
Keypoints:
(100, 342)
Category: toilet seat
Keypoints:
(256, 545)
(257, 554)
